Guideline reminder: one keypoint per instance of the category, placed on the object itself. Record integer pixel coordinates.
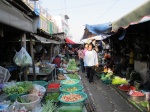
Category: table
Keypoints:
(53, 71)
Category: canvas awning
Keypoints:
(68, 41)
(11, 16)
(140, 14)
(95, 30)
(45, 40)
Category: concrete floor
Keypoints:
(105, 98)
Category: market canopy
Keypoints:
(68, 41)
(100, 37)
(140, 14)
(95, 30)
(45, 40)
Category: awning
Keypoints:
(100, 37)
(45, 40)
(11, 16)
(94, 30)
(138, 15)
(68, 41)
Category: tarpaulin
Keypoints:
(99, 29)
(68, 41)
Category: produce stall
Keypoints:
(65, 95)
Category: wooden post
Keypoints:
(23, 43)
(32, 55)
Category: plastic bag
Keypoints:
(22, 58)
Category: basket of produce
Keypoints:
(70, 89)
(70, 82)
(70, 109)
(42, 83)
(28, 101)
(118, 80)
(126, 87)
(61, 77)
(73, 76)
(52, 97)
(72, 99)
(53, 87)
(15, 89)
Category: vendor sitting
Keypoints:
(57, 61)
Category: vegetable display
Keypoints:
(49, 107)
(72, 97)
(69, 82)
(54, 85)
(52, 97)
(19, 88)
(71, 89)
(22, 100)
(73, 76)
(70, 109)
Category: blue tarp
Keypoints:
(99, 29)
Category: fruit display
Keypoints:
(69, 82)
(71, 89)
(73, 76)
(71, 97)
(52, 97)
(54, 85)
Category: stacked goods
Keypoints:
(73, 76)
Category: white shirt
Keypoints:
(90, 58)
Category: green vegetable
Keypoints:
(21, 100)
(70, 109)
(73, 76)
(49, 107)
(52, 97)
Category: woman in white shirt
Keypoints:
(90, 61)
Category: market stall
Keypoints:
(59, 95)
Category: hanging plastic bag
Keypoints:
(22, 58)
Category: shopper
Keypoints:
(81, 56)
(90, 61)
(57, 61)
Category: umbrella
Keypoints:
(68, 41)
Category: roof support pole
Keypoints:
(23, 44)
(32, 55)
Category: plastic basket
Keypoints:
(64, 88)
(29, 106)
(13, 97)
(53, 89)
(64, 82)
(80, 102)
(41, 83)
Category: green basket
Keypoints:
(41, 83)
(64, 82)
(13, 97)
(80, 102)
(64, 88)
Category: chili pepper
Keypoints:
(54, 85)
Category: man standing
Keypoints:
(90, 61)
(81, 56)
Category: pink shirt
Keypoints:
(81, 54)
(84, 51)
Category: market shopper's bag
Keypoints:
(22, 58)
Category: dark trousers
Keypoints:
(90, 72)
(82, 65)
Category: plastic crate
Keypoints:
(64, 88)
(64, 82)
(77, 103)
(41, 83)
(13, 97)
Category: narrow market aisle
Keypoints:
(105, 98)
